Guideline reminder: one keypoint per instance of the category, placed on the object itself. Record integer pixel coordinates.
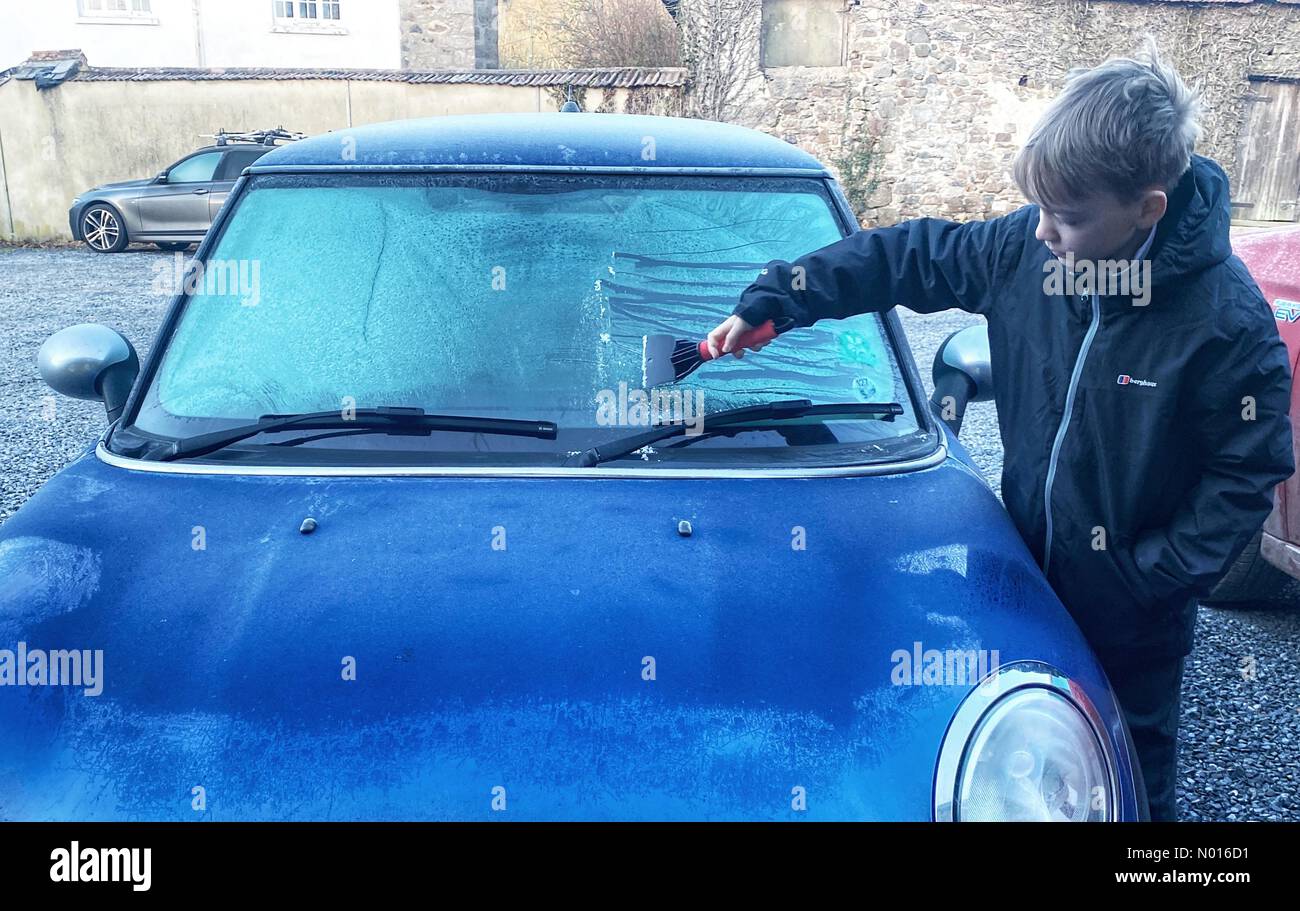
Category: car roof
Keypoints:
(228, 147)
(550, 140)
(1264, 239)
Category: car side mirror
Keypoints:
(90, 361)
(962, 373)
(161, 178)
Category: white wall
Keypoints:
(245, 33)
(166, 38)
(59, 142)
(209, 33)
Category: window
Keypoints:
(409, 312)
(803, 33)
(114, 7)
(307, 9)
(312, 16)
(198, 169)
(113, 11)
(238, 159)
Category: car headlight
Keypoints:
(1026, 745)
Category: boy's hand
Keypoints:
(722, 340)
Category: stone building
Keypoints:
(920, 105)
(448, 34)
(944, 92)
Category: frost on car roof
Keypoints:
(544, 140)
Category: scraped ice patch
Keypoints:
(42, 578)
(951, 557)
(865, 388)
(855, 348)
(82, 488)
(948, 621)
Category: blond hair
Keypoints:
(1125, 126)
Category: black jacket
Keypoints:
(1157, 485)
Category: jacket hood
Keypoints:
(1193, 234)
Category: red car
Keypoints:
(1260, 573)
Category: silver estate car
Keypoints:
(174, 209)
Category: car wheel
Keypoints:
(172, 247)
(1251, 582)
(102, 229)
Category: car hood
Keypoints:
(121, 184)
(557, 639)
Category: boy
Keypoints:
(1143, 408)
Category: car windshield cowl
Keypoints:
(768, 411)
(380, 420)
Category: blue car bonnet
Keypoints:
(589, 662)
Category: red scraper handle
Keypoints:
(756, 336)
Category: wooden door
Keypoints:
(1268, 157)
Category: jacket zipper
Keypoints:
(1065, 424)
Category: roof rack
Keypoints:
(259, 137)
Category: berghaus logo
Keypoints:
(1125, 380)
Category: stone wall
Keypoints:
(438, 34)
(953, 87)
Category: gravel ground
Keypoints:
(42, 291)
(1240, 729)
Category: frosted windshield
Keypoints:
(519, 296)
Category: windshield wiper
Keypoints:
(792, 408)
(379, 420)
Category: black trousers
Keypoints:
(1149, 693)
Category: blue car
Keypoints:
(387, 526)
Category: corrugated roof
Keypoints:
(615, 77)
